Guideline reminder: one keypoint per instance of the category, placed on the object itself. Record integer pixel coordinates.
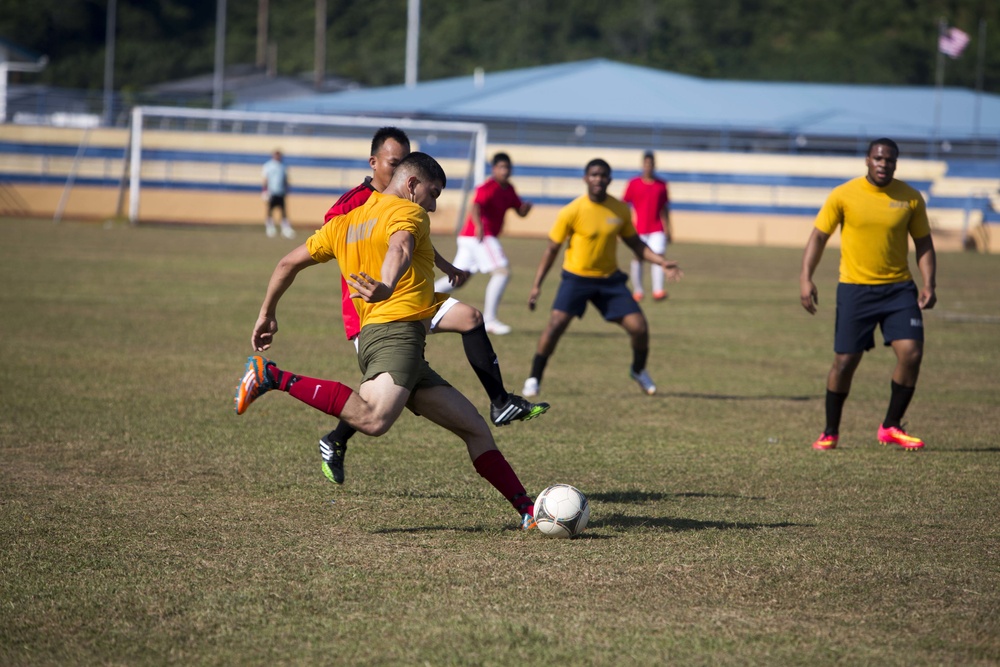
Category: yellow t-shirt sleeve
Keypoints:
(562, 229)
(321, 244)
(832, 213)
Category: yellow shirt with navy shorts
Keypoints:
(592, 229)
(590, 267)
(876, 287)
(392, 338)
(874, 222)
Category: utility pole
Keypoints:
(412, 41)
(319, 68)
(220, 53)
(262, 12)
(109, 62)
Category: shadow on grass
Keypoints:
(620, 521)
(653, 496)
(428, 529)
(971, 449)
(736, 397)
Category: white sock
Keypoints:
(494, 292)
(656, 277)
(636, 274)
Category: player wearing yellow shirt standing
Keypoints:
(876, 214)
(384, 251)
(593, 223)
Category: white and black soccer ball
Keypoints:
(561, 511)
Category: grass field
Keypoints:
(143, 522)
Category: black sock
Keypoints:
(283, 380)
(538, 366)
(639, 360)
(341, 434)
(479, 351)
(899, 400)
(834, 408)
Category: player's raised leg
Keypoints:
(505, 407)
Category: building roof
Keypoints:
(641, 96)
(246, 84)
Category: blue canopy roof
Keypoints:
(604, 92)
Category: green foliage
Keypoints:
(888, 42)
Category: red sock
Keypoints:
(325, 395)
(493, 467)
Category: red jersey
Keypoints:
(648, 199)
(494, 200)
(349, 201)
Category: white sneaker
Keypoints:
(271, 231)
(288, 232)
(530, 388)
(497, 328)
(646, 382)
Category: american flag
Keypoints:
(952, 42)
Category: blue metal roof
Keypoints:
(604, 92)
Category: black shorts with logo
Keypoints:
(860, 308)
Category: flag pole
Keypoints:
(938, 87)
(981, 57)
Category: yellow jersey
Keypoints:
(874, 223)
(593, 229)
(359, 241)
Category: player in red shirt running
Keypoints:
(650, 200)
(479, 250)
(389, 146)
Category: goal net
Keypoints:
(204, 165)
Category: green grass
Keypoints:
(143, 522)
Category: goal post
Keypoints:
(221, 151)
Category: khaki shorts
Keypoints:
(397, 348)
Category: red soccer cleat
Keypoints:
(825, 442)
(897, 436)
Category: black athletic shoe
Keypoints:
(516, 409)
(333, 454)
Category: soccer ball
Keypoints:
(561, 511)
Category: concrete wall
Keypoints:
(201, 178)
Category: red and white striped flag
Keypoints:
(952, 42)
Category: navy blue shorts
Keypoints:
(892, 307)
(609, 295)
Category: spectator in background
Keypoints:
(479, 249)
(274, 191)
(651, 202)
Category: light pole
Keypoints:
(109, 62)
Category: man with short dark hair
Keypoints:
(383, 249)
(876, 213)
(389, 147)
(274, 191)
(593, 223)
(479, 249)
(649, 198)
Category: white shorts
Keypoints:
(449, 303)
(657, 241)
(476, 257)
